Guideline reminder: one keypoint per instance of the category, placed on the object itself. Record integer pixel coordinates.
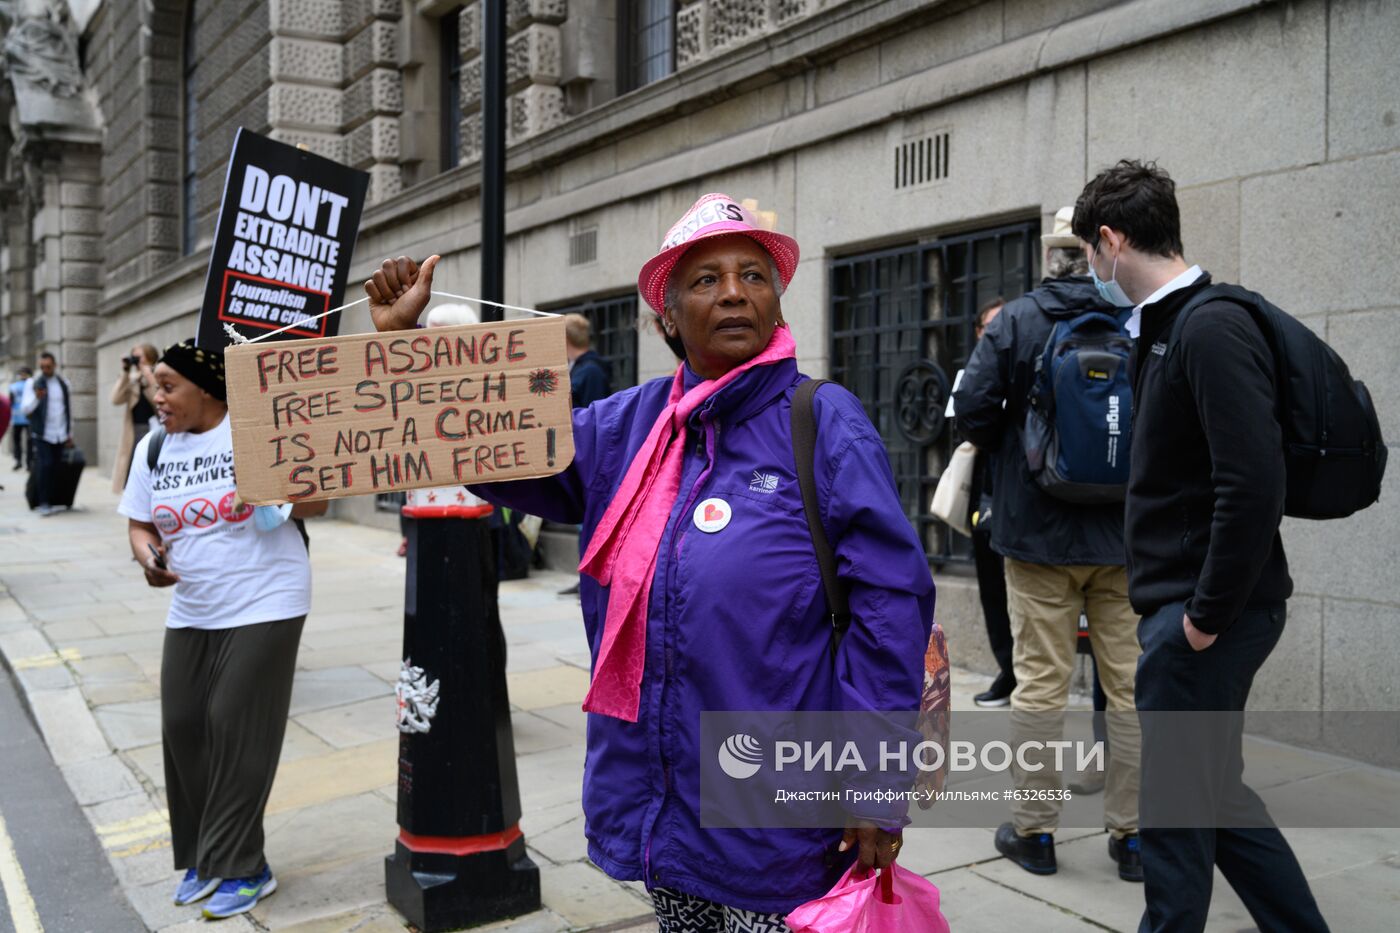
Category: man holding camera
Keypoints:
(47, 405)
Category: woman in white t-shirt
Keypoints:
(242, 590)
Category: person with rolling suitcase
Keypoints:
(57, 463)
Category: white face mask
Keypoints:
(1110, 291)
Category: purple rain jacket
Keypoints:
(737, 621)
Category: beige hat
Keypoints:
(1061, 234)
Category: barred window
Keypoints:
(902, 324)
(614, 323)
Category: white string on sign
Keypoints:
(235, 337)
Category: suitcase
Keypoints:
(67, 472)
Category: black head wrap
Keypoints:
(200, 365)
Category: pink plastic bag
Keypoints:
(897, 901)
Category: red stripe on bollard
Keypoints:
(446, 511)
(461, 845)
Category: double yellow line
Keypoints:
(23, 914)
(144, 833)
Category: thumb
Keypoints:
(425, 271)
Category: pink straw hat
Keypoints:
(713, 215)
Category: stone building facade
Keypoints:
(915, 148)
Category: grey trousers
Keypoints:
(224, 696)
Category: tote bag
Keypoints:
(952, 499)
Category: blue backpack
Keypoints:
(1079, 416)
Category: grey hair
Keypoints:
(1061, 261)
(673, 288)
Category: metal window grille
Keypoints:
(902, 324)
(189, 178)
(648, 38)
(451, 113)
(921, 161)
(583, 247)
(614, 323)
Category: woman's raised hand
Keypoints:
(399, 291)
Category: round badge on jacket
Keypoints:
(713, 515)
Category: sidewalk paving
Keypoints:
(83, 633)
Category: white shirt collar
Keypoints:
(1189, 277)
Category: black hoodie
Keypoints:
(1206, 488)
(1027, 523)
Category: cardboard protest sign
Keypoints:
(287, 227)
(370, 413)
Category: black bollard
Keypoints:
(460, 857)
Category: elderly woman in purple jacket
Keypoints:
(700, 588)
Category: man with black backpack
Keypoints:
(1206, 564)
(1047, 392)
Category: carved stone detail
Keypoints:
(521, 12)
(705, 28)
(691, 34)
(785, 11)
(534, 55)
(40, 48)
(735, 21)
(537, 108)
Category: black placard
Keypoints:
(287, 227)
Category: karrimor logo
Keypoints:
(741, 756)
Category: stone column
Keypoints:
(68, 277)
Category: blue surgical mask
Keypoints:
(1111, 291)
(271, 517)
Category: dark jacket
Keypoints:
(1027, 523)
(1205, 493)
(38, 418)
(590, 379)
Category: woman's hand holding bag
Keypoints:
(894, 901)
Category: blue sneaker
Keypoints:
(194, 888)
(240, 895)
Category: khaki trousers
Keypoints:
(1045, 602)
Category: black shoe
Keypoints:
(999, 693)
(1036, 854)
(1127, 852)
(569, 591)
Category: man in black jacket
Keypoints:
(1061, 559)
(48, 403)
(1205, 561)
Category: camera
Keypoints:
(130, 361)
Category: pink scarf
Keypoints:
(622, 552)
